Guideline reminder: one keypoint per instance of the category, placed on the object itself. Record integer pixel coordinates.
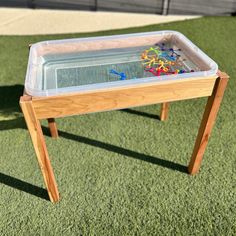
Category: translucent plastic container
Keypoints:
(73, 65)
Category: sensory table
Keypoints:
(81, 76)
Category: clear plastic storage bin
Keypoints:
(72, 65)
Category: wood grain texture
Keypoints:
(118, 98)
(53, 127)
(40, 148)
(164, 111)
(207, 123)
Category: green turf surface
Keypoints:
(121, 172)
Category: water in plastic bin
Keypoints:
(93, 67)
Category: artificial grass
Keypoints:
(121, 172)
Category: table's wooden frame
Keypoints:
(38, 108)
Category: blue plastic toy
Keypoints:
(121, 74)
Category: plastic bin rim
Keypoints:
(106, 37)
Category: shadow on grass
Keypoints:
(11, 118)
(9, 95)
(13, 182)
(141, 113)
(42, 193)
(24, 186)
(122, 151)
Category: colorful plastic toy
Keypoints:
(121, 74)
(162, 60)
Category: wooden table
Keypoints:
(50, 103)
(39, 108)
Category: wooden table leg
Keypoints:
(164, 111)
(207, 123)
(53, 127)
(40, 148)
